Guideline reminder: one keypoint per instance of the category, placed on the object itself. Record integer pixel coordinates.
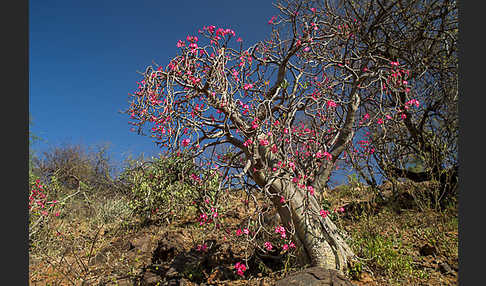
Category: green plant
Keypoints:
(113, 209)
(355, 269)
(161, 187)
(383, 254)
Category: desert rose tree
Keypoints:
(421, 37)
(275, 117)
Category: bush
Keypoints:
(73, 165)
(384, 254)
(162, 188)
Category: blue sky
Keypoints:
(84, 57)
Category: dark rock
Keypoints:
(445, 268)
(427, 250)
(168, 247)
(315, 276)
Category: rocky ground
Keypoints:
(399, 242)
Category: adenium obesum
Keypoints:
(269, 113)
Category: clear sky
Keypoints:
(84, 57)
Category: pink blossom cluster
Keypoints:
(247, 143)
(398, 77)
(239, 232)
(287, 246)
(325, 213)
(38, 200)
(204, 218)
(268, 245)
(325, 154)
(202, 247)
(240, 268)
(281, 230)
(412, 102)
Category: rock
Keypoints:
(315, 276)
(445, 268)
(150, 278)
(427, 249)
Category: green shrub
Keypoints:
(110, 210)
(384, 254)
(162, 188)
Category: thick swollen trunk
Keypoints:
(318, 238)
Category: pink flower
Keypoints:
(268, 245)
(239, 40)
(247, 143)
(291, 245)
(263, 142)
(285, 246)
(327, 155)
(281, 230)
(202, 247)
(240, 268)
(202, 219)
(412, 102)
(185, 142)
(310, 189)
(274, 149)
(180, 44)
(247, 86)
(193, 46)
(292, 165)
(239, 232)
(331, 103)
(254, 124)
(323, 213)
(246, 231)
(282, 199)
(380, 121)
